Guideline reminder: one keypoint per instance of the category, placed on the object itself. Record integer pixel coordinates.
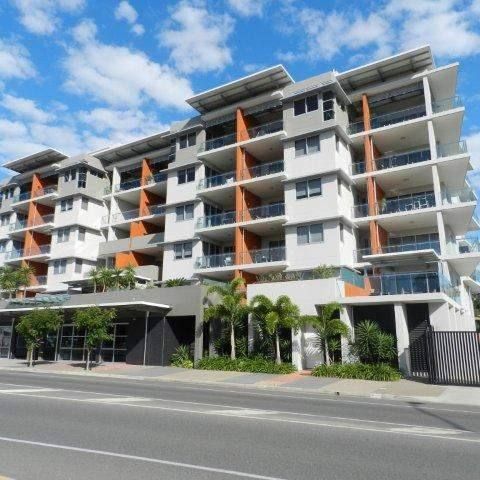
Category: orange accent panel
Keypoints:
(147, 199)
(250, 161)
(354, 291)
(138, 229)
(37, 184)
(242, 126)
(133, 259)
(146, 171)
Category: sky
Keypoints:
(79, 75)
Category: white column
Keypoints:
(437, 186)
(442, 236)
(297, 349)
(251, 334)
(346, 316)
(428, 96)
(403, 340)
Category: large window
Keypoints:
(184, 212)
(305, 105)
(5, 219)
(182, 250)
(60, 266)
(186, 175)
(72, 343)
(82, 178)
(187, 140)
(306, 146)
(328, 106)
(309, 188)
(63, 235)
(310, 234)
(70, 174)
(115, 350)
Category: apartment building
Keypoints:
(362, 170)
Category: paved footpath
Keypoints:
(406, 390)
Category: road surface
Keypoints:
(60, 427)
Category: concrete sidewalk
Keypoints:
(405, 390)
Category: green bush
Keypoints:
(361, 371)
(372, 345)
(253, 365)
(182, 357)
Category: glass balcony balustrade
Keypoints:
(451, 149)
(398, 248)
(30, 252)
(266, 255)
(446, 104)
(460, 195)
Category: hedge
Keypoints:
(361, 371)
(253, 365)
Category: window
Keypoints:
(78, 265)
(60, 266)
(84, 203)
(8, 193)
(187, 140)
(66, 205)
(337, 143)
(70, 174)
(307, 145)
(81, 234)
(310, 234)
(3, 246)
(341, 231)
(82, 178)
(183, 250)
(328, 106)
(63, 235)
(309, 188)
(305, 105)
(339, 186)
(186, 175)
(184, 212)
(5, 219)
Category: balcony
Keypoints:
(395, 205)
(22, 197)
(393, 161)
(156, 178)
(400, 248)
(129, 215)
(36, 222)
(41, 192)
(40, 251)
(405, 283)
(267, 255)
(447, 104)
(231, 217)
(217, 181)
(121, 187)
(461, 195)
(388, 119)
(452, 149)
(243, 135)
(263, 170)
(38, 281)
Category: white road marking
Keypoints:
(118, 399)
(28, 390)
(140, 459)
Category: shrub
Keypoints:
(324, 271)
(361, 371)
(372, 345)
(182, 357)
(176, 282)
(253, 365)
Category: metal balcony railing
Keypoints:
(388, 119)
(216, 180)
(120, 187)
(266, 255)
(264, 211)
(153, 210)
(41, 192)
(446, 104)
(125, 216)
(225, 218)
(156, 178)
(30, 252)
(403, 247)
(263, 169)
(218, 142)
(21, 197)
(36, 222)
(395, 205)
(404, 283)
(450, 149)
(261, 130)
(455, 196)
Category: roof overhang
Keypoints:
(35, 161)
(411, 61)
(270, 79)
(132, 149)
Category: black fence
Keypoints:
(446, 358)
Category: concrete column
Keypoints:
(442, 236)
(403, 340)
(297, 349)
(437, 186)
(346, 316)
(428, 96)
(439, 315)
(432, 140)
(250, 335)
(198, 352)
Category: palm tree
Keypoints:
(232, 308)
(9, 280)
(327, 327)
(176, 282)
(116, 276)
(105, 278)
(282, 313)
(95, 277)
(128, 277)
(24, 275)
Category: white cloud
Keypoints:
(449, 26)
(125, 11)
(42, 16)
(120, 76)
(24, 108)
(197, 38)
(15, 61)
(248, 8)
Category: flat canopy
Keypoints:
(270, 79)
(132, 149)
(35, 161)
(410, 61)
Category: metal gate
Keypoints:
(446, 358)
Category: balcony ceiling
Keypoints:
(35, 161)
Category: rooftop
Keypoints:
(270, 79)
(35, 161)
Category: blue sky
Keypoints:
(78, 75)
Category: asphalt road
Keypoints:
(60, 427)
